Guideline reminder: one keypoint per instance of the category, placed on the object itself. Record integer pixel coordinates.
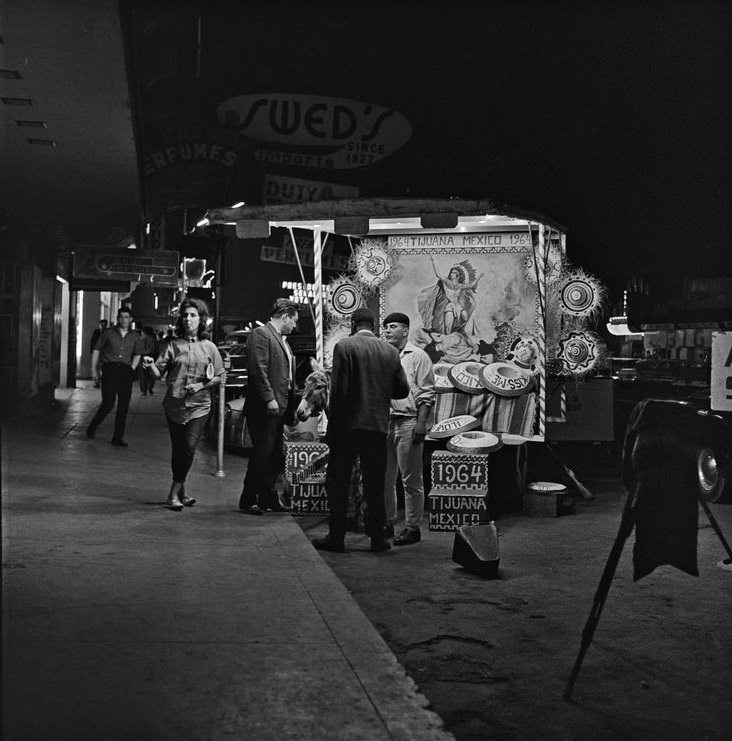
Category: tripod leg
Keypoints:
(713, 522)
(627, 522)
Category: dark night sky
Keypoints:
(613, 118)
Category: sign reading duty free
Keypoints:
(144, 266)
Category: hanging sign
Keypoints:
(144, 266)
(315, 131)
(278, 189)
(478, 239)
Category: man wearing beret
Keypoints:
(407, 429)
(367, 374)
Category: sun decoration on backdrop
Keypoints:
(580, 294)
(554, 263)
(373, 262)
(344, 297)
(578, 352)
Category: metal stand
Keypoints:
(627, 522)
(220, 436)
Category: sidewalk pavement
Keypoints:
(124, 620)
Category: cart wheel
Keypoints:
(713, 485)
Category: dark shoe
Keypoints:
(329, 544)
(119, 442)
(91, 431)
(388, 530)
(187, 501)
(253, 510)
(407, 537)
(379, 544)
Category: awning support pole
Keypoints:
(318, 282)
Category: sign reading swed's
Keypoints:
(313, 131)
(721, 396)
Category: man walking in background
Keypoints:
(118, 352)
(367, 374)
(407, 429)
(96, 334)
(270, 404)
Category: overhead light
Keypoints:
(42, 142)
(241, 203)
(203, 222)
(17, 101)
(9, 74)
(32, 124)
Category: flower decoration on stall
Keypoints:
(524, 353)
(578, 352)
(373, 262)
(580, 294)
(343, 298)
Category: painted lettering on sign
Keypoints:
(361, 133)
(452, 520)
(279, 189)
(464, 474)
(185, 152)
(309, 498)
(268, 253)
(487, 239)
(444, 502)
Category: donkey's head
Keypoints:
(316, 395)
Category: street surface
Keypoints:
(493, 656)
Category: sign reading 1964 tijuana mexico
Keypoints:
(334, 133)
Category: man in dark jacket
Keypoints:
(269, 406)
(367, 375)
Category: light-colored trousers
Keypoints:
(403, 455)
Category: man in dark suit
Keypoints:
(367, 374)
(269, 406)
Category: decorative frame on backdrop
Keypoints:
(468, 300)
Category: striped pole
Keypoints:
(318, 283)
(540, 258)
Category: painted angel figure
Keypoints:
(449, 305)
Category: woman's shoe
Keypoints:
(175, 505)
(187, 501)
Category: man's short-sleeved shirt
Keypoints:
(114, 348)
